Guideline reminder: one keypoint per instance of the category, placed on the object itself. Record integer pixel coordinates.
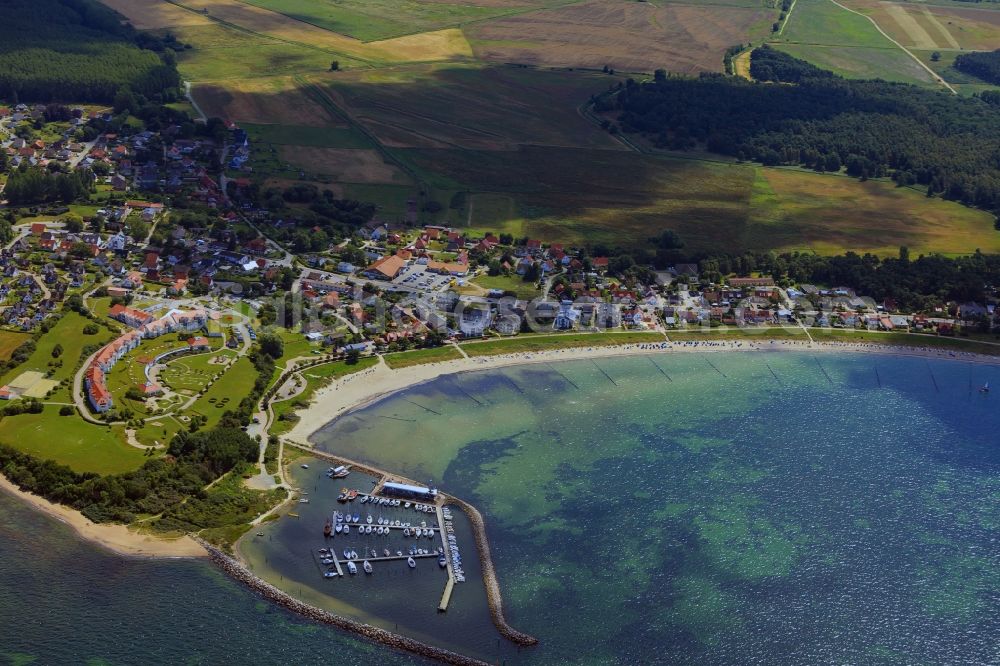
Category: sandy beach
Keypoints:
(363, 388)
(116, 538)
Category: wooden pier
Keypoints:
(391, 558)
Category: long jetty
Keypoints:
(489, 574)
(239, 572)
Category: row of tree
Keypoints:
(950, 144)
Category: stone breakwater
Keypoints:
(490, 576)
(236, 570)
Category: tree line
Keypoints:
(26, 186)
(949, 144)
(984, 65)
(76, 50)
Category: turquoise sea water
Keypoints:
(727, 508)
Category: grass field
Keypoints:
(836, 39)
(226, 393)
(537, 343)
(299, 135)
(525, 290)
(192, 373)
(421, 356)
(71, 441)
(68, 333)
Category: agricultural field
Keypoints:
(625, 35)
(71, 441)
(382, 19)
(276, 101)
(617, 198)
(848, 44)
(958, 26)
(471, 107)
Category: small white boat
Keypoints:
(369, 519)
(368, 529)
(352, 567)
(304, 466)
(406, 506)
(354, 554)
(339, 528)
(406, 531)
(347, 529)
(399, 553)
(387, 552)
(347, 554)
(374, 554)
(367, 566)
(304, 500)
(410, 562)
(329, 574)
(430, 533)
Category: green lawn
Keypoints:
(316, 377)
(226, 393)
(68, 332)
(525, 290)
(537, 343)
(192, 373)
(421, 356)
(71, 441)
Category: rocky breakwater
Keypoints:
(236, 570)
(489, 575)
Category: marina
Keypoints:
(374, 539)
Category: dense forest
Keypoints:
(76, 50)
(985, 65)
(947, 143)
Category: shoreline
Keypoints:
(359, 390)
(113, 537)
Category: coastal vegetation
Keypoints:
(159, 486)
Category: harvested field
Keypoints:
(916, 35)
(628, 36)
(155, 14)
(344, 165)
(489, 108)
(274, 100)
(972, 29)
